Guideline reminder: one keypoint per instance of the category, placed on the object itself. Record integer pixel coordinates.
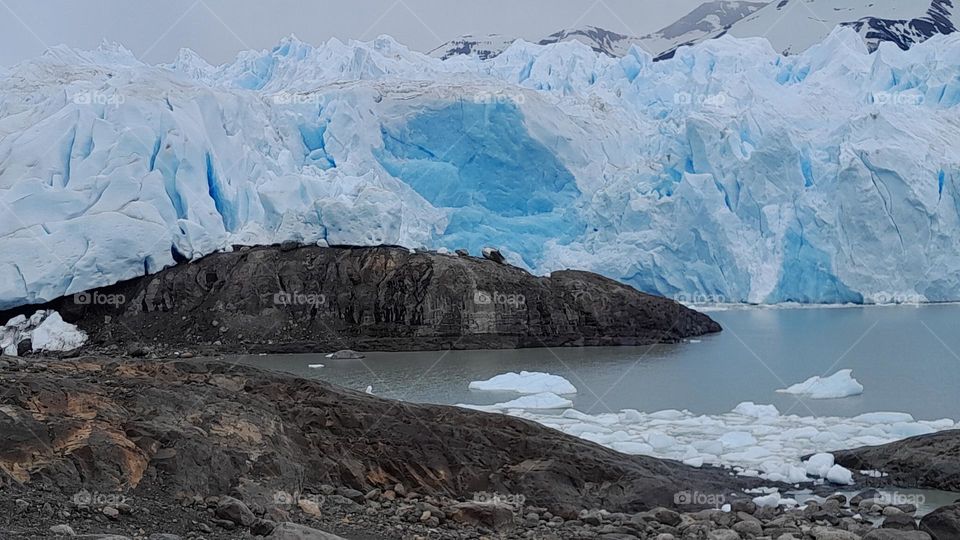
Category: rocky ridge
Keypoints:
(306, 298)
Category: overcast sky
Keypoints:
(217, 29)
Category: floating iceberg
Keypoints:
(728, 173)
(839, 385)
(526, 382)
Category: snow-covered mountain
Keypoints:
(482, 47)
(728, 172)
(791, 26)
(707, 21)
(599, 40)
(794, 25)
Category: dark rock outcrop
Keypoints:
(274, 299)
(207, 428)
(927, 461)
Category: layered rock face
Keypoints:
(288, 298)
(207, 428)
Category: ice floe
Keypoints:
(754, 440)
(540, 401)
(526, 382)
(839, 385)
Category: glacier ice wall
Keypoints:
(728, 172)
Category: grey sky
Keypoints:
(217, 29)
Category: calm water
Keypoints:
(907, 358)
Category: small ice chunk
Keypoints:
(749, 408)
(630, 447)
(839, 385)
(661, 441)
(910, 429)
(669, 414)
(883, 418)
(737, 439)
(768, 501)
(819, 465)
(839, 475)
(526, 382)
(543, 400)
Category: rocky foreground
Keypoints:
(309, 298)
(203, 449)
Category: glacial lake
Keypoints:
(906, 357)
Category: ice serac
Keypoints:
(726, 172)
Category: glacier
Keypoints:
(727, 173)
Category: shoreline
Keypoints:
(342, 508)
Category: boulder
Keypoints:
(234, 510)
(890, 534)
(901, 521)
(493, 254)
(62, 530)
(943, 523)
(493, 515)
